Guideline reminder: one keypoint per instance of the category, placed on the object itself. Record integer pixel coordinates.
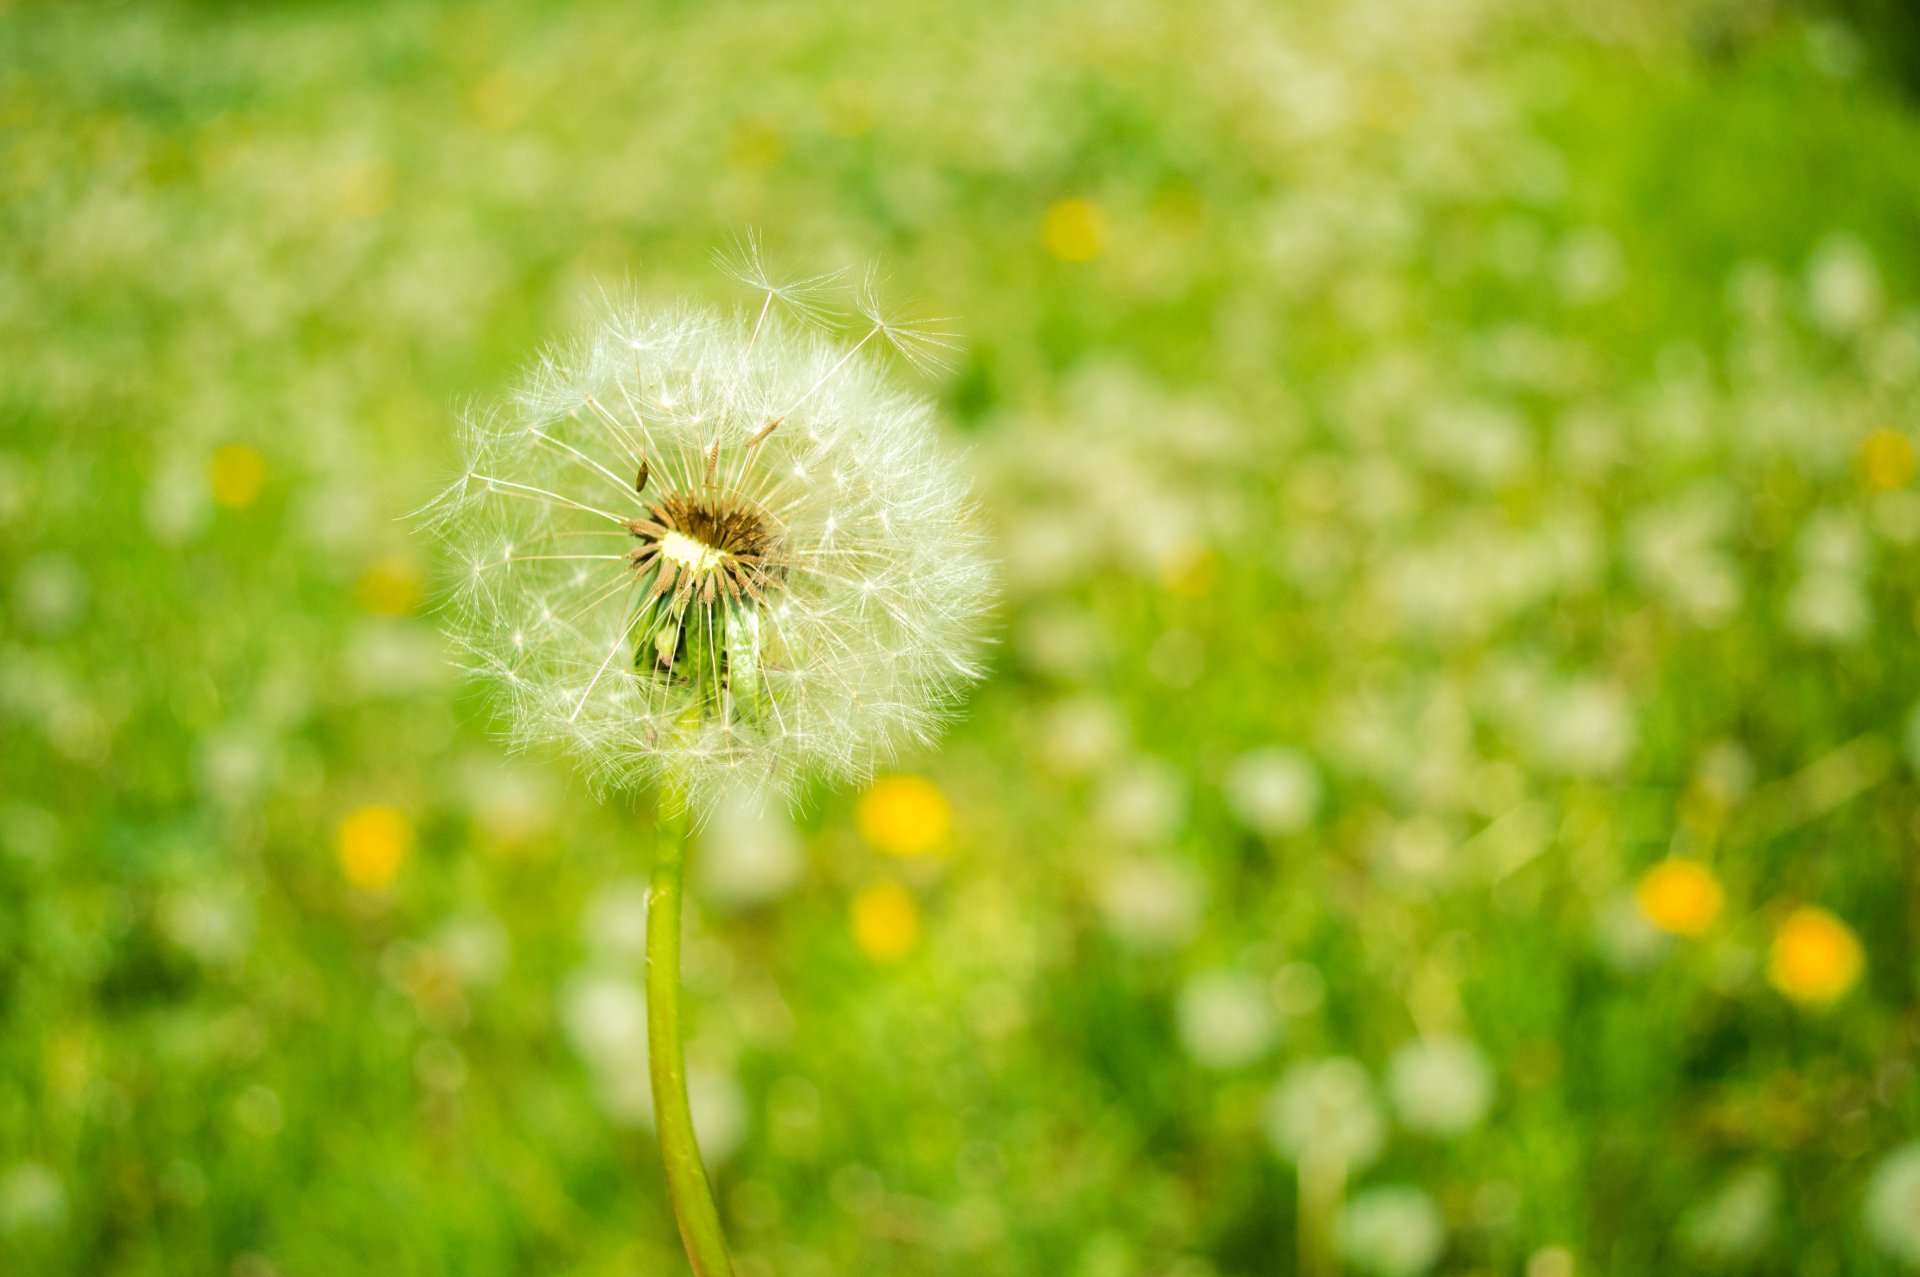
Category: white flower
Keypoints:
(1226, 1019)
(1893, 1204)
(1275, 791)
(1440, 1085)
(1151, 902)
(1395, 1231)
(716, 550)
(32, 1199)
(1325, 1110)
(1736, 1220)
(750, 853)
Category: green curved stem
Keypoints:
(673, 1119)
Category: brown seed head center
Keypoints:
(706, 546)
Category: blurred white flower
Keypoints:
(1829, 608)
(1893, 1204)
(1624, 935)
(50, 592)
(1843, 285)
(1142, 801)
(605, 1018)
(1415, 855)
(1226, 1019)
(1584, 728)
(1440, 1085)
(211, 921)
(1275, 791)
(717, 550)
(749, 853)
(1394, 1231)
(1736, 1220)
(1082, 734)
(614, 923)
(475, 946)
(1482, 443)
(1829, 603)
(1678, 551)
(1151, 901)
(1591, 266)
(1324, 1110)
(32, 1199)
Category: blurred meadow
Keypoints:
(1446, 798)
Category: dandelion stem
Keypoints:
(673, 1119)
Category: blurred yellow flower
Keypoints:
(754, 144)
(1887, 459)
(904, 816)
(373, 843)
(1816, 957)
(235, 473)
(886, 922)
(1075, 230)
(390, 586)
(1681, 897)
(848, 106)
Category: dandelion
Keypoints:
(718, 554)
(1276, 791)
(1226, 1020)
(1815, 957)
(1440, 1085)
(904, 816)
(1395, 1232)
(1681, 897)
(373, 843)
(1322, 1116)
(1075, 230)
(885, 921)
(709, 551)
(235, 474)
(1893, 1204)
(1736, 1221)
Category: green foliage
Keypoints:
(1444, 464)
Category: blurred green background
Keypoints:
(1446, 800)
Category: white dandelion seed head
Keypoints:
(1440, 1085)
(715, 551)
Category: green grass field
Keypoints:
(1445, 800)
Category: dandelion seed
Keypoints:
(718, 551)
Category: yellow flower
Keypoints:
(904, 816)
(1816, 957)
(390, 586)
(373, 843)
(1681, 897)
(1887, 459)
(848, 106)
(1075, 230)
(754, 144)
(235, 473)
(886, 922)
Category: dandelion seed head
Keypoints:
(713, 550)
